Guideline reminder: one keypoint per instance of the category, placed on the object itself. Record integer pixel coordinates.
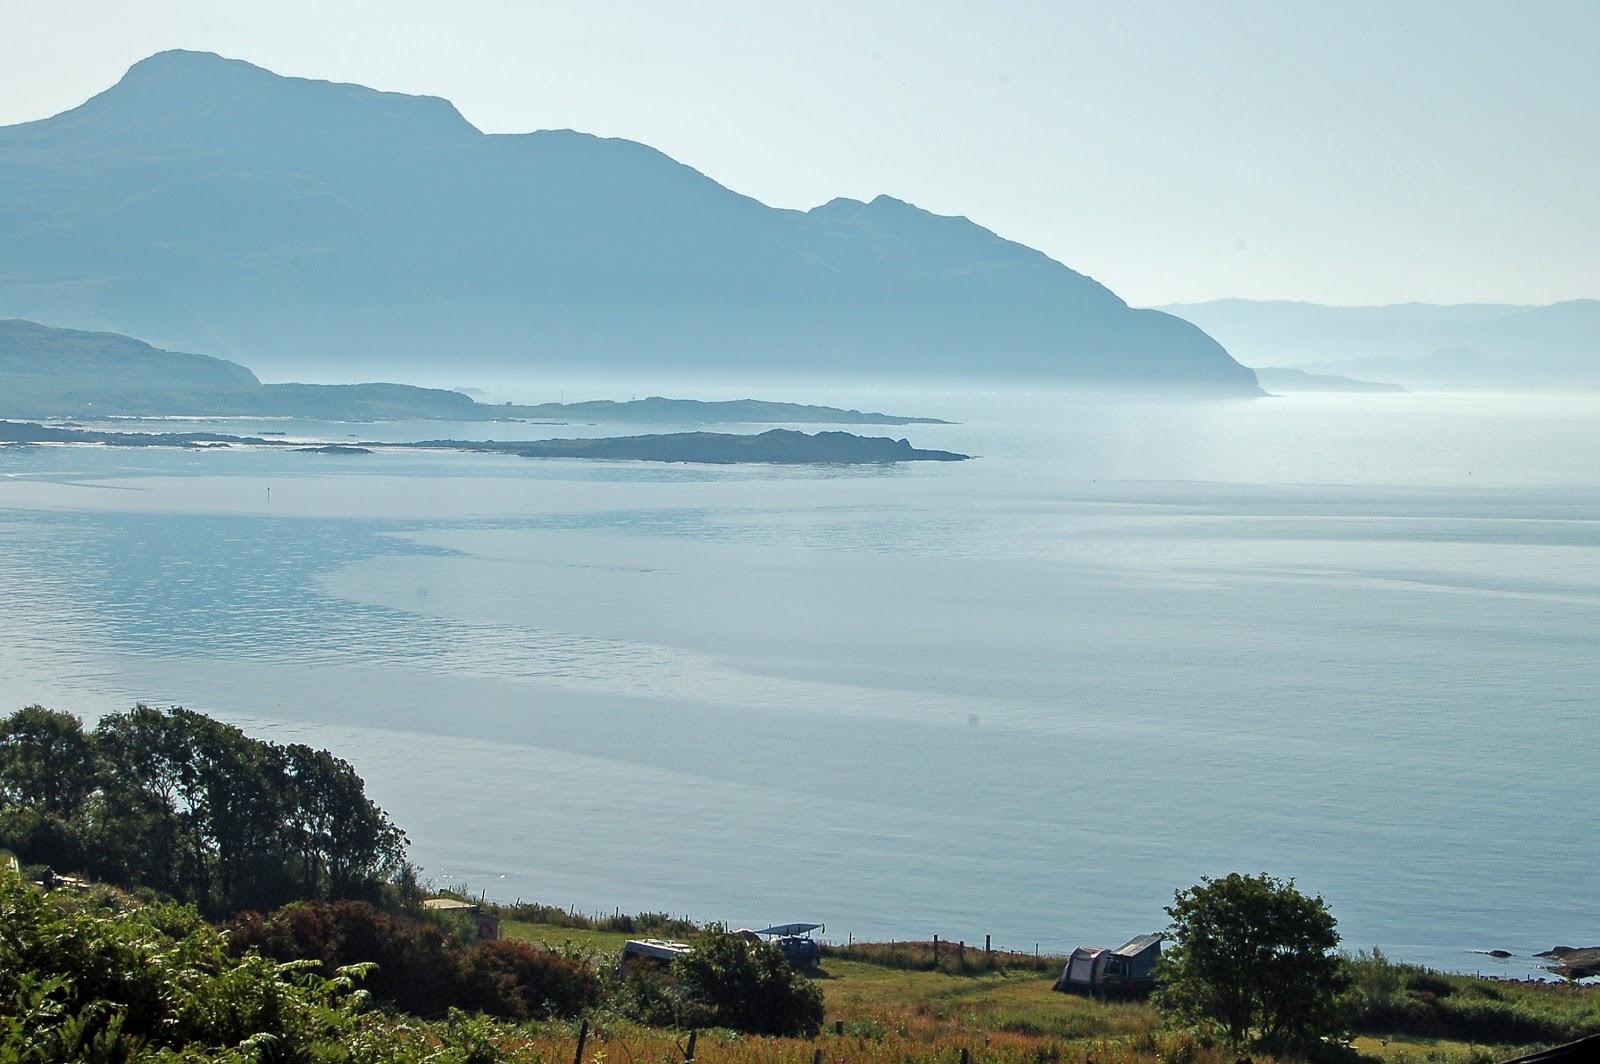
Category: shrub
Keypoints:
(521, 981)
(748, 986)
(415, 962)
(417, 967)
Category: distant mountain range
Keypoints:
(47, 373)
(1420, 345)
(1284, 379)
(312, 228)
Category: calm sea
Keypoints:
(1348, 640)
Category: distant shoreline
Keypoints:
(775, 446)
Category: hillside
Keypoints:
(308, 227)
(48, 372)
(1470, 345)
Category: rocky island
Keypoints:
(775, 445)
(782, 446)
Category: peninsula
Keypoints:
(656, 410)
(47, 372)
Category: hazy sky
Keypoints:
(1344, 152)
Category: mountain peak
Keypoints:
(184, 61)
(216, 94)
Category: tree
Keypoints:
(46, 761)
(1254, 956)
(175, 800)
(748, 986)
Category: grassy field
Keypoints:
(899, 1009)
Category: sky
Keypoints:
(1176, 150)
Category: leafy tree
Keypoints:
(1253, 956)
(339, 835)
(146, 824)
(748, 986)
(191, 806)
(46, 761)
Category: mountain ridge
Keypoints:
(1472, 345)
(208, 203)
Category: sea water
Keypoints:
(1347, 640)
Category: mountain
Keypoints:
(1473, 345)
(1285, 379)
(319, 228)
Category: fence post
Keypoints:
(816, 1058)
(936, 951)
(838, 1027)
(961, 955)
(966, 1057)
(583, 1036)
(688, 1054)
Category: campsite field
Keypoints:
(896, 1013)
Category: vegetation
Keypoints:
(358, 972)
(948, 957)
(420, 968)
(747, 986)
(100, 981)
(1253, 957)
(889, 1014)
(191, 807)
(658, 925)
(1389, 999)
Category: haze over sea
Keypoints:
(1347, 639)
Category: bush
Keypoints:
(646, 995)
(748, 986)
(415, 962)
(521, 981)
(418, 968)
(42, 837)
(81, 984)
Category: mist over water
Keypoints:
(1345, 639)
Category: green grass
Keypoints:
(890, 993)
(588, 940)
(1404, 1000)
